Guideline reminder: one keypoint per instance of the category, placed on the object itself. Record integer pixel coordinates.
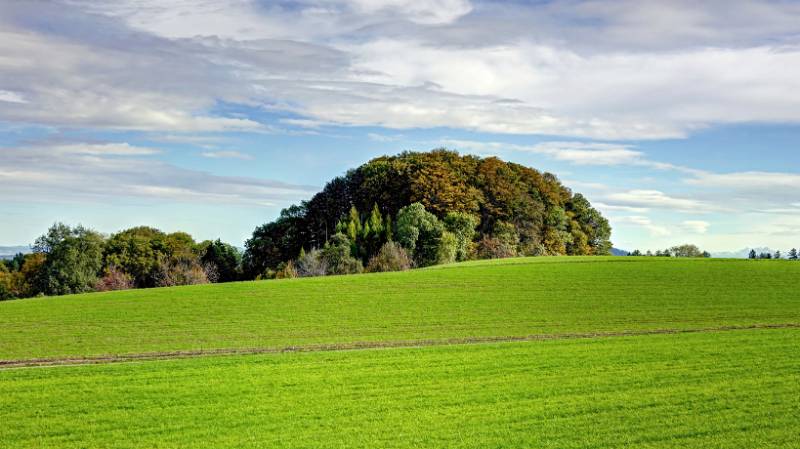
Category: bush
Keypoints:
(114, 279)
(495, 248)
(286, 271)
(180, 271)
(391, 257)
(311, 264)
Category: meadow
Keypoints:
(482, 299)
(565, 353)
(702, 390)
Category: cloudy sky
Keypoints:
(680, 120)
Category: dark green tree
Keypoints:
(225, 259)
(73, 259)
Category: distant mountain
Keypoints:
(618, 252)
(741, 254)
(7, 252)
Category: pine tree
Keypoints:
(777, 255)
(355, 219)
(752, 254)
(793, 254)
(375, 220)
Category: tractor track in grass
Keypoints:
(354, 346)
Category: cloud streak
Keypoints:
(113, 172)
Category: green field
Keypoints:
(736, 389)
(514, 297)
(730, 379)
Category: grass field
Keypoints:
(735, 389)
(621, 352)
(515, 297)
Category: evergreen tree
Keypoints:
(793, 254)
(777, 255)
(752, 254)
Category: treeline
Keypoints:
(390, 214)
(792, 254)
(686, 250)
(76, 260)
(439, 200)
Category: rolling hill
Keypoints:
(530, 352)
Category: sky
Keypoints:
(679, 120)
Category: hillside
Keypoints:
(479, 300)
(554, 352)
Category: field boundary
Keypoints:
(354, 346)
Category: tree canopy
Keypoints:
(514, 205)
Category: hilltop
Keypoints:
(492, 208)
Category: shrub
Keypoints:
(286, 271)
(391, 257)
(494, 248)
(180, 271)
(114, 279)
(311, 264)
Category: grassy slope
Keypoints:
(508, 298)
(711, 390)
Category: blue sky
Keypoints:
(679, 120)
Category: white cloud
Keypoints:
(227, 155)
(560, 68)
(102, 149)
(113, 172)
(579, 153)
(11, 97)
(658, 200)
(603, 207)
(696, 226)
(646, 223)
(420, 11)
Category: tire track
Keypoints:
(354, 346)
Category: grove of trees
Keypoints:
(76, 260)
(439, 207)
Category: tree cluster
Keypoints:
(455, 208)
(792, 254)
(685, 250)
(69, 260)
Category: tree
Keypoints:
(793, 254)
(73, 258)
(686, 250)
(752, 254)
(419, 232)
(462, 226)
(337, 257)
(226, 260)
(777, 255)
(138, 251)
